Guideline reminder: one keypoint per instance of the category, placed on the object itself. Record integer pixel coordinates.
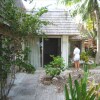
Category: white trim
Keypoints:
(49, 36)
(65, 49)
(42, 50)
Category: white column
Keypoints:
(64, 49)
(82, 47)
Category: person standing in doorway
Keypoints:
(76, 57)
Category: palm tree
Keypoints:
(88, 8)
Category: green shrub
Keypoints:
(28, 67)
(84, 56)
(90, 66)
(53, 71)
(91, 52)
(55, 67)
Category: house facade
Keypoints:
(57, 41)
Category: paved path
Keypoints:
(28, 87)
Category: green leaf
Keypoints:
(78, 90)
(89, 93)
(71, 88)
(84, 90)
(93, 97)
(66, 92)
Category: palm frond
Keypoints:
(70, 2)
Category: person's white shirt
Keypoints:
(76, 54)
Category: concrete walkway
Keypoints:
(28, 87)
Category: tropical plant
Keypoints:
(79, 90)
(88, 8)
(55, 67)
(84, 56)
(88, 29)
(90, 25)
(91, 52)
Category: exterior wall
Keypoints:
(69, 50)
(65, 49)
(34, 56)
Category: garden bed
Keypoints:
(61, 80)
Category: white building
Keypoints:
(58, 40)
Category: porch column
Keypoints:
(82, 47)
(64, 49)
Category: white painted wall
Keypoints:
(64, 49)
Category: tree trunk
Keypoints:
(98, 37)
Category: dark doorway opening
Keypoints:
(51, 46)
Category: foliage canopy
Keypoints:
(20, 23)
(88, 9)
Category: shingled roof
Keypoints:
(63, 24)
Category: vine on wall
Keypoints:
(15, 27)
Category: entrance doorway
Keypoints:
(51, 46)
